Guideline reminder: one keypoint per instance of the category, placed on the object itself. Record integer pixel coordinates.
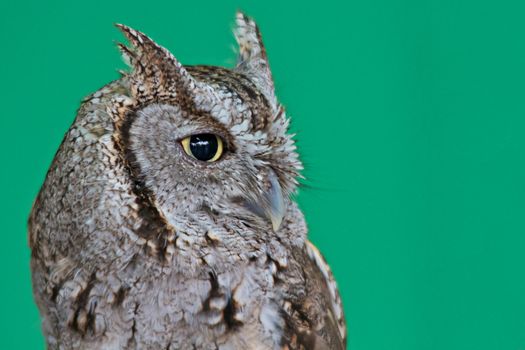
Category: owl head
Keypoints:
(205, 138)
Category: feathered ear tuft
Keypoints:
(252, 60)
(155, 74)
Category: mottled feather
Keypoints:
(137, 245)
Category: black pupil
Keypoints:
(203, 146)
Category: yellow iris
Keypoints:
(204, 147)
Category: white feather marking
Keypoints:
(272, 321)
(319, 261)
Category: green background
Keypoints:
(411, 122)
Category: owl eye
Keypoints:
(204, 147)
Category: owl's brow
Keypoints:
(241, 86)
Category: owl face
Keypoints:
(207, 138)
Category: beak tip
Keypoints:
(276, 223)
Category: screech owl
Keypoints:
(165, 220)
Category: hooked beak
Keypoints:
(271, 205)
(274, 196)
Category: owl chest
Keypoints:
(149, 306)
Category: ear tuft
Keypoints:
(252, 60)
(156, 73)
(249, 39)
